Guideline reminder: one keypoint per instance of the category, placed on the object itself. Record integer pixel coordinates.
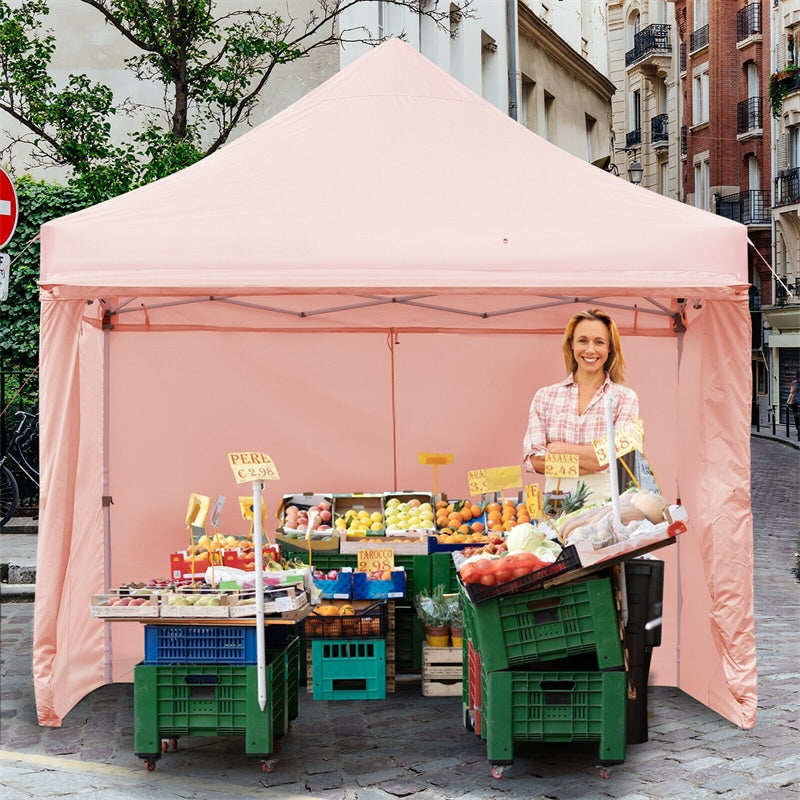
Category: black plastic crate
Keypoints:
(371, 622)
(566, 562)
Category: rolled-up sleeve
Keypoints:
(627, 406)
(535, 441)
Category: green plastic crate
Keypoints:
(444, 572)
(554, 707)
(549, 624)
(348, 669)
(409, 634)
(293, 650)
(208, 700)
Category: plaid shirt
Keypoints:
(553, 415)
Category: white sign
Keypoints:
(5, 274)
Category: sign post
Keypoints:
(257, 467)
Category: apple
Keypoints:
(319, 575)
(325, 515)
(333, 575)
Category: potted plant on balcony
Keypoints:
(779, 86)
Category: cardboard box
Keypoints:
(358, 503)
(181, 564)
(304, 501)
(419, 498)
(327, 543)
(341, 588)
(246, 559)
(368, 587)
(276, 601)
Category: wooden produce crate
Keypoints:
(442, 671)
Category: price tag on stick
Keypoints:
(249, 467)
(436, 460)
(561, 465)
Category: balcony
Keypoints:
(748, 21)
(659, 131)
(698, 39)
(749, 119)
(648, 43)
(787, 187)
(633, 138)
(684, 140)
(749, 208)
(784, 91)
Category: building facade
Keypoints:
(781, 315)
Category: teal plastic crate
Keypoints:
(554, 707)
(348, 669)
(547, 625)
(170, 701)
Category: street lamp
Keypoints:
(635, 172)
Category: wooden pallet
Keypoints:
(442, 671)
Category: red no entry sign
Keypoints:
(8, 209)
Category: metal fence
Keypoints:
(19, 391)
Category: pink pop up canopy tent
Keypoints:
(385, 268)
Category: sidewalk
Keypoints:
(416, 748)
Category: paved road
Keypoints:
(416, 748)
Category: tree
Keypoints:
(213, 69)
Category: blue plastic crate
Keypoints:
(199, 644)
(366, 588)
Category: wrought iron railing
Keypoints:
(684, 139)
(633, 138)
(748, 21)
(653, 39)
(787, 187)
(749, 208)
(748, 115)
(659, 130)
(683, 56)
(698, 38)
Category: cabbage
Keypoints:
(524, 538)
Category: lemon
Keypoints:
(376, 526)
(376, 516)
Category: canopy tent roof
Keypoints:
(359, 182)
(386, 224)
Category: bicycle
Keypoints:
(14, 455)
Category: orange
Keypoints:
(493, 507)
(478, 527)
(441, 504)
(463, 529)
(494, 515)
(497, 528)
(476, 511)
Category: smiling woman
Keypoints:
(567, 417)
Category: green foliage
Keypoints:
(779, 83)
(38, 203)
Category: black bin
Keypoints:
(644, 583)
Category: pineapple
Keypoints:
(576, 498)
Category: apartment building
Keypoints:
(781, 314)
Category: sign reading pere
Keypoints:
(252, 467)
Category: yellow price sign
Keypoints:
(476, 478)
(252, 467)
(626, 439)
(374, 559)
(435, 459)
(494, 479)
(561, 465)
(533, 500)
(197, 511)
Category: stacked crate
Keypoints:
(202, 680)
(347, 655)
(546, 665)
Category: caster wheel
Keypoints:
(468, 722)
(267, 765)
(497, 771)
(150, 764)
(605, 773)
(164, 745)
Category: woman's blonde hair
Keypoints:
(615, 363)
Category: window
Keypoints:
(700, 99)
(753, 89)
(700, 13)
(456, 44)
(527, 111)
(548, 117)
(753, 174)
(702, 189)
(591, 125)
(663, 178)
(634, 26)
(793, 149)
